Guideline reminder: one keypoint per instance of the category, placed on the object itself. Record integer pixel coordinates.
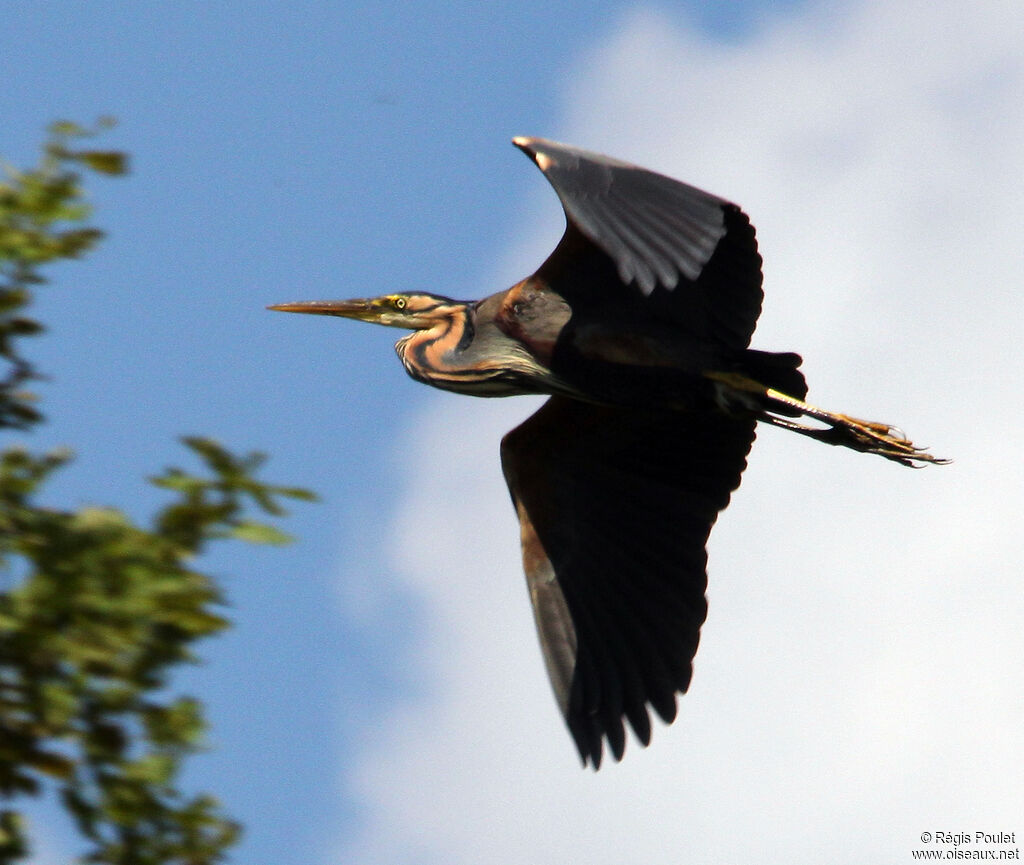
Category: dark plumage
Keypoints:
(637, 326)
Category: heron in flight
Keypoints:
(637, 328)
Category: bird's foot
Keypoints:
(873, 437)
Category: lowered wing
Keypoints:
(615, 509)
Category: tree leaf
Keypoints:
(110, 162)
(260, 533)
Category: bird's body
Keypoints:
(512, 342)
(637, 327)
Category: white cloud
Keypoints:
(859, 680)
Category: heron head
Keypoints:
(410, 311)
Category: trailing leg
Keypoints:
(738, 392)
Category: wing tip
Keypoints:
(526, 143)
(529, 146)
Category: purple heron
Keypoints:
(637, 328)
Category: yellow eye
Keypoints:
(399, 303)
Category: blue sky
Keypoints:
(381, 698)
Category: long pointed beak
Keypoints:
(363, 310)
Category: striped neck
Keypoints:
(445, 357)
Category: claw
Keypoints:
(882, 439)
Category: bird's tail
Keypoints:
(776, 370)
(739, 392)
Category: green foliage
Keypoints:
(43, 216)
(98, 611)
(88, 636)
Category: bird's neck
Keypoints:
(431, 354)
(443, 356)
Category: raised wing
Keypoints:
(693, 254)
(615, 509)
